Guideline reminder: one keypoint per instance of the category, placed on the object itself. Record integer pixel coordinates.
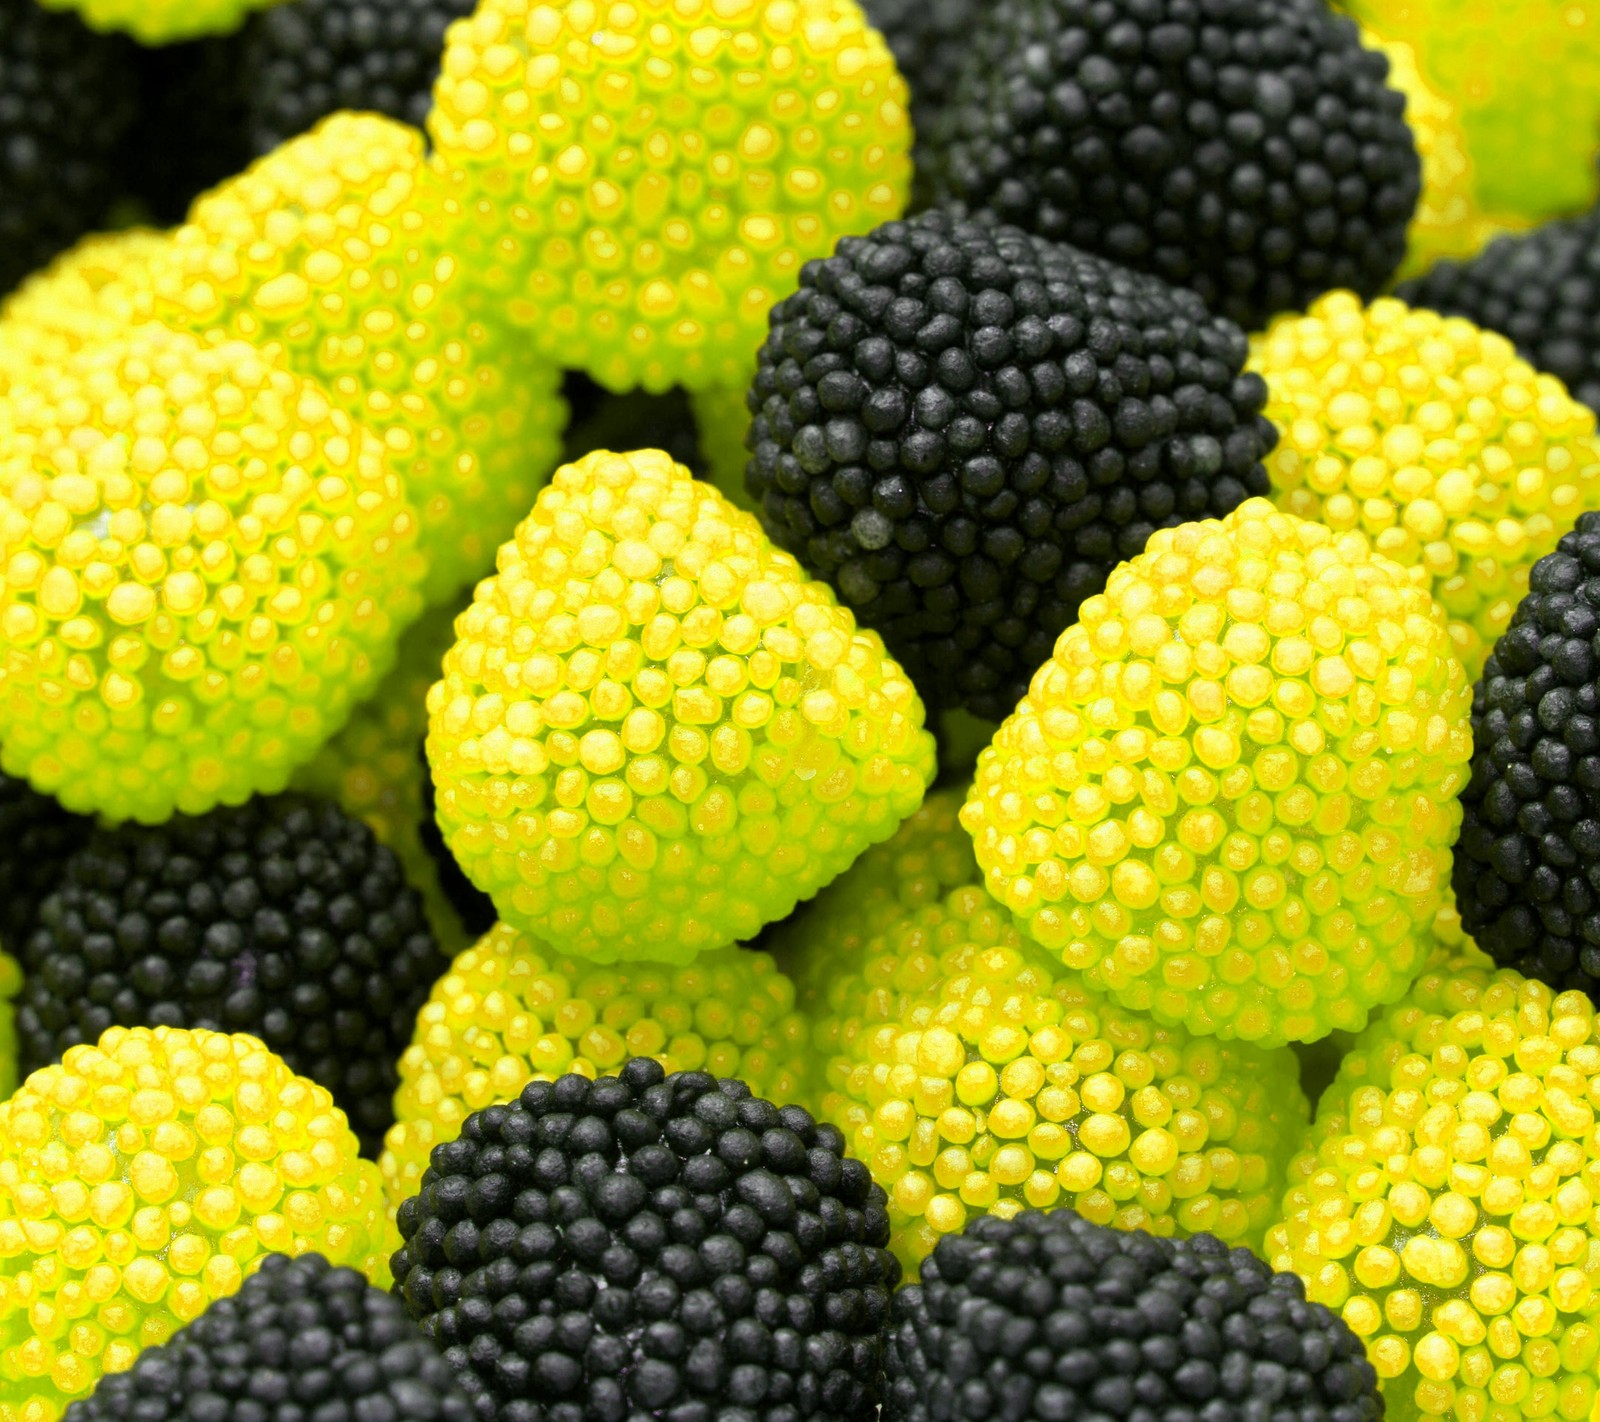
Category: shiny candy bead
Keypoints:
(647, 177)
(145, 1176)
(512, 1010)
(339, 245)
(87, 294)
(654, 734)
(973, 1077)
(1229, 797)
(1444, 1202)
(206, 564)
(1455, 457)
(163, 21)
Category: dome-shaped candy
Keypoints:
(1445, 1201)
(87, 294)
(974, 1077)
(1525, 77)
(1430, 436)
(1229, 797)
(512, 1010)
(655, 734)
(163, 21)
(647, 178)
(207, 565)
(339, 245)
(144, 1177)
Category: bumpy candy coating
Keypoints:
(163, 21)
(207, 564)
(511, 1010)
(339, 246)
(1445, 1201)
(648, 176)
(140, 1180)
(973, 1076)
(654, 734)
(1229, 797)
(1430, 436)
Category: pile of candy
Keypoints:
(799, 710)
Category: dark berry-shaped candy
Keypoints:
(283, 917)
(307, 60)
(965, 428)
(1046, 1317)
(67, 97)
(1527, 867)
(1538, 289)
(648, 1245)
(930, 41)
(37, 837)
(302, 1341)
(1249, 149)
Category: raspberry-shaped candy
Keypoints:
(338, 245)
(1532, 157)
(655, 734)
(1458, 460)
(512, 1010)
(87, 294)
(975, 1077)
(1229, 797)
(163, 21)
(376, 770)
(1445, 1202)
(208, 564)
(647, 177)
(143, 1178)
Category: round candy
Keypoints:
(512, 1010)
(1229, 797)
(1445, 1202)
(208, 564)
(339, 245)
(163, 21)
(973, 1077)
(1430, 436)
(647, 178)
(143, 1178)
(654, 733)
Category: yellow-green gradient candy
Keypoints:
(654, 733)
(929, 855)
(10, 986)
(207, 565)
(163, 21)
(1445, 1201)
(647, 177)
(144, 1177)
(87, 294)
(1433, 438)
(1229, 797)
(974, 1077)
(338, 244)
(375, 770)
(512, 1010)
(1525, 76)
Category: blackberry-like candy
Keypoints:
(651, 1245)
(1528, 860)
(38, 838)
(283, 917)
(1538, 289)
(301, 1339)
(307, 60)
(964, 429)
(930, 41)
(1249, 149)
(67, 97)
(1046, 1317)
